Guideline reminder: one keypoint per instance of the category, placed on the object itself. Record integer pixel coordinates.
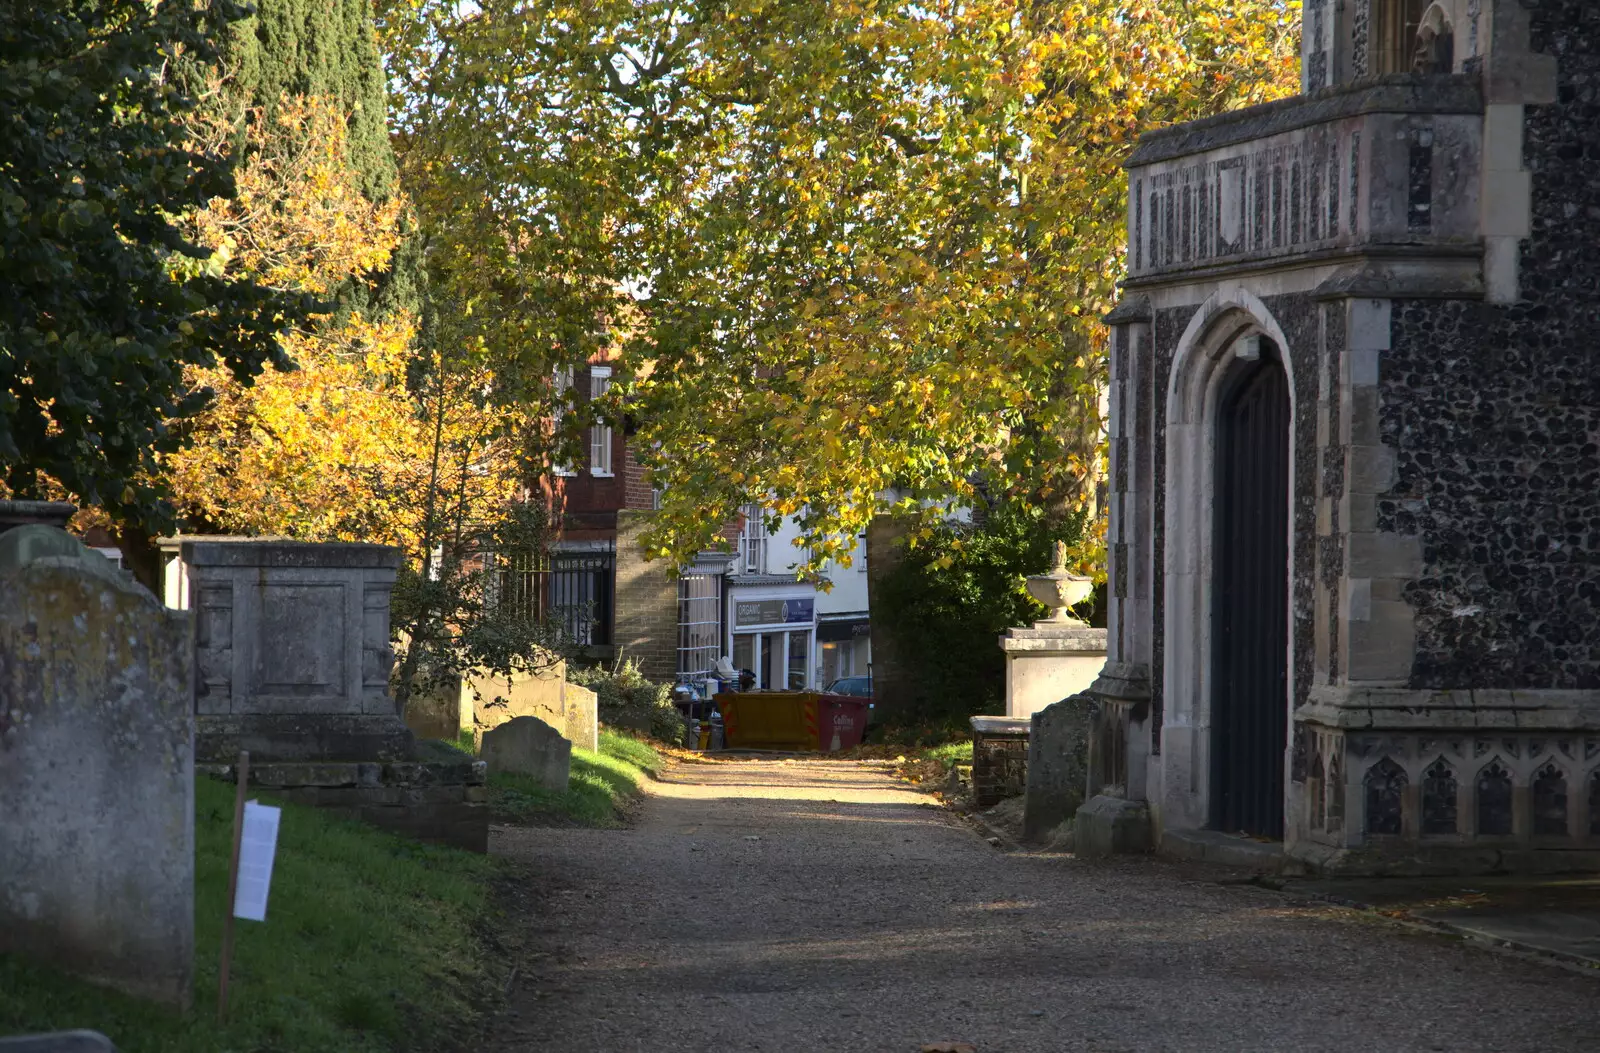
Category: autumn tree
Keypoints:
(106, 305)
(867, 242)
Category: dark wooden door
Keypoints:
(1250, 589)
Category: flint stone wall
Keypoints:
(96, 770)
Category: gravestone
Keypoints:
(582, 716)
(1058, 754)
(529, 746)
(96, 769)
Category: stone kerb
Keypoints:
(96, 770)
(60, 1042)
(529, 746)
(292, 650)
(1058, 759)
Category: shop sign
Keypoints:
(773, 612)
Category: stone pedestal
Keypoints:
(999, 759)
(292, 651)
(1049, 662)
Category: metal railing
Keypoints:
(576, 590)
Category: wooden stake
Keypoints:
(243, 771)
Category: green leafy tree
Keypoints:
(946, 603)
(106, 303)
(854, 248)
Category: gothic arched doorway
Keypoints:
(1250, 597)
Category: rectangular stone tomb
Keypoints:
(292, 651)
(440, 797)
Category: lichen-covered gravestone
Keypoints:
(96, 769)
(529, 746)
(1058, 754)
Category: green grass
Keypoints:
(368, 946)
(602, 784)
(950, 754)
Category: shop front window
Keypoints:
(799, 660)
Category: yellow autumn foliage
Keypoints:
(340, 448)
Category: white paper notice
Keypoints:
(257, 846)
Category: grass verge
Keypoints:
(368, 947)
(603, 783)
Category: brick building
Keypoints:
(612, 600)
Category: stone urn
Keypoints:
(1060, 590)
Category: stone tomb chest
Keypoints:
(292, 663)
(292, 651)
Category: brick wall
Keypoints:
(647, 603)
(637, 490)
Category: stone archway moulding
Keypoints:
(1211, 345)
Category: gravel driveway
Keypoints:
(820, 905)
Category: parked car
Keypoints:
(854, 686)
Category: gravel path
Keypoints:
(819, 905)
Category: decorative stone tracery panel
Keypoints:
(1538, 788)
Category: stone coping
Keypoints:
(993, 726)
(1466, 708)
(1065, 640)
(255, 552)
(59, 1042)
(1127, 681)
(48, 513)
(1394, 93)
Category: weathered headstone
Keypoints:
(529, 746)
(96, 769)
(1058, 752)
(582, 716)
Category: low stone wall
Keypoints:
(441, 797)
(999, 759)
